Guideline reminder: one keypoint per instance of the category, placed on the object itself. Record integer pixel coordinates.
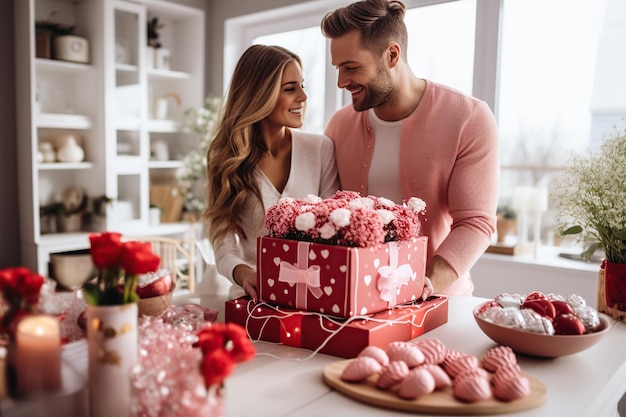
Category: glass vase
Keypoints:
(112, 347)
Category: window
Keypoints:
(552, 70)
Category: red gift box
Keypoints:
(345, 338)
(340, 281)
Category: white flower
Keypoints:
(386, 202)
(340, 217)
(417, 204)
(362, 202)
(313, 199)
(327, 231)
(386, 216)
(305, 221)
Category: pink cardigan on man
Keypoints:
(449, 157)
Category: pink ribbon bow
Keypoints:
(393, 276)
(309, 277)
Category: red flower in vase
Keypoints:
(223, 345)
(20, 290)
(119, 265)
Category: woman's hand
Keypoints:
(246, 277)
(428, 289)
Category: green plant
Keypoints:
(202, 122)
(152, 32)
(506, 212)
(591, 198)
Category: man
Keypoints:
(404, 136)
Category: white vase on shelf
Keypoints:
(70, 151)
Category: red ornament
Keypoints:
(568, 324)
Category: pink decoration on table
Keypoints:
(304, 276)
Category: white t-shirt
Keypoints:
(384, 175)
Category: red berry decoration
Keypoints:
(568, 324)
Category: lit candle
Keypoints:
(38, 354)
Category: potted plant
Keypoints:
(591, 196)
(506, 222)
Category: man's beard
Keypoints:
(376, 92)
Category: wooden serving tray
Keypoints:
(440, 402)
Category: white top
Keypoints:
(384, 175)
(313, 171)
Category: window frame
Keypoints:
(240, 31)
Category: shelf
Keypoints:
(61, 66)
(165, 164)
(63, 121)
(163, 126)
(59, 166)
(126, 68)
(168, 74)
(129, 165)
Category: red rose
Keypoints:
(211, 338)
(29, 286)
(106, 249)
(138, 258)
(216, 366)
(241, 348)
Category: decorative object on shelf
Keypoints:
(47, 152)
(155, 215)
(161, 105)
(152, 33)
(112, 320)
(591, 195)
(45, 33)
(19, 298)
(122, 51)
(160, 150)
(73, 206)
(70, 151)
(507, 222)
(71, 48)
(150, 54)
(162, 58)
(201, 121)
(96, 214)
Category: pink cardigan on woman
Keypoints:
(449, 158)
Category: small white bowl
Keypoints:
(537, 344)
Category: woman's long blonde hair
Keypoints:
(238, 144)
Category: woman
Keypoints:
(257, 158)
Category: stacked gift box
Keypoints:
(354, 279)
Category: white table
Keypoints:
(588, 384)
(285, 381)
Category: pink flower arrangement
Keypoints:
(346, 218)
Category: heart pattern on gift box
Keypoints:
(348, 276)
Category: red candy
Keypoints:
(568, 324)
(488, 305)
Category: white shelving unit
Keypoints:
(108, 105)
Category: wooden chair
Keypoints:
(178, 256)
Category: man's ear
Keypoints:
(392, 54)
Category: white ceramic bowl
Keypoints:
(536, 344)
